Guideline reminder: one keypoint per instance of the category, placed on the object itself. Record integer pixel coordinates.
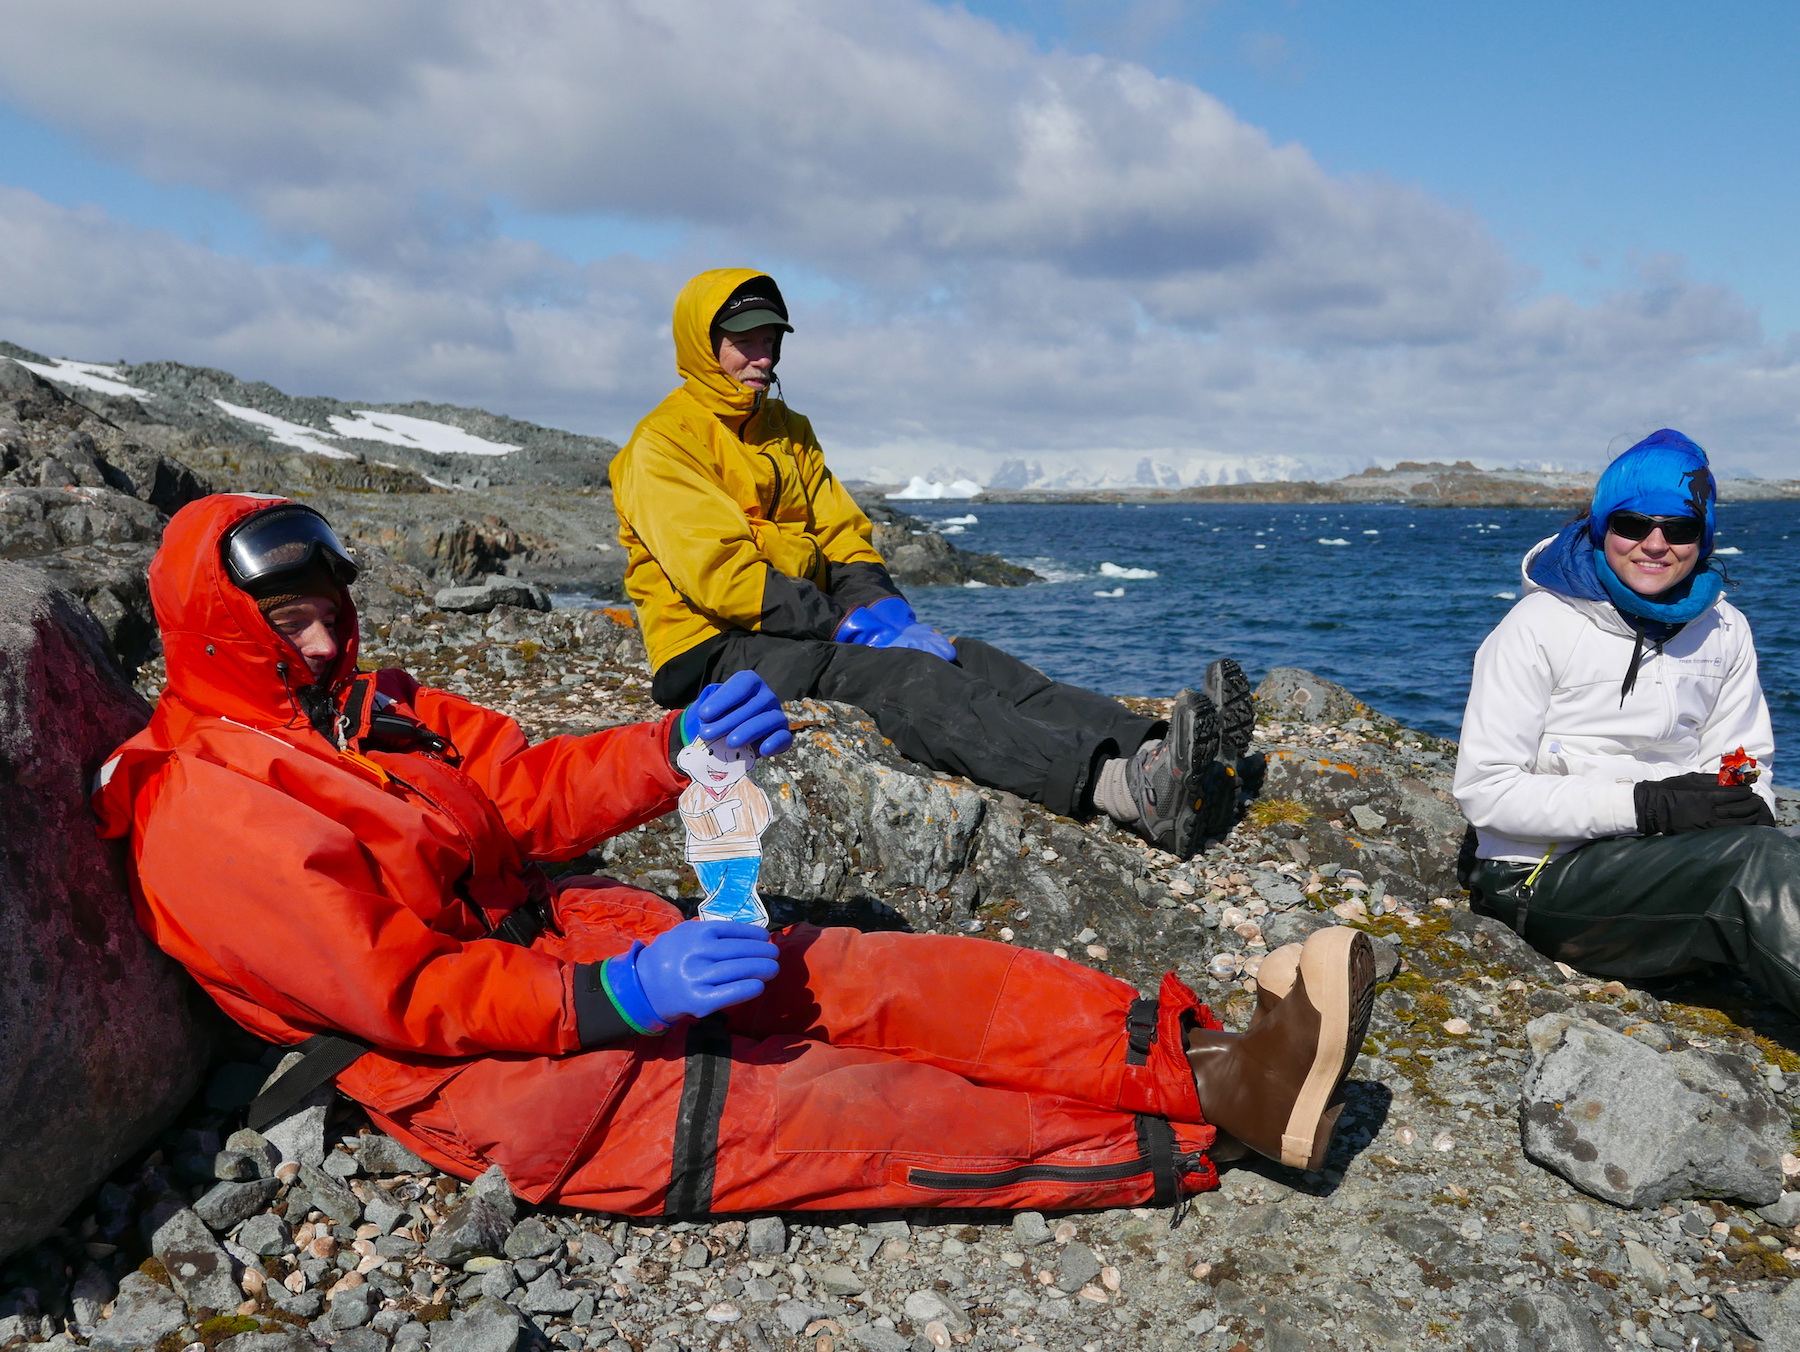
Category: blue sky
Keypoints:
(1582, 133)
(1511, 232)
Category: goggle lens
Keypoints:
(284, 540)
(1676, 530)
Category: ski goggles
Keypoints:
(280, 541)
(1676, 530)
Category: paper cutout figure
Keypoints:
(725, 813)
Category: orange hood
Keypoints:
(701, 374)
(223, 656)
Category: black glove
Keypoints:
(1696, 802)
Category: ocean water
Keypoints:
(1389, 601)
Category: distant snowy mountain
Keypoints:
(1072, 470)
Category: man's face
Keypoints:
(749, 357)
(310, 624)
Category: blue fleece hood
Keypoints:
(1665, 474)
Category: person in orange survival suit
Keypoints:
(351, 860)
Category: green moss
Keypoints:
(156, 1272)
(220, 1327)
(1266, 812)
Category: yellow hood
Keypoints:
(701, 374)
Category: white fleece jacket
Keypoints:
(1549, 755)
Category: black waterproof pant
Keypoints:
(986, 716)
(1655, 906)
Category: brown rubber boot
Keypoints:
(1274, 979)
(1275, 1087)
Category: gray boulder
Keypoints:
(476, 1227)
(495, 591)
(1535, 1322)
(488, 1325)
(271, 1338)
(200, 1269)
(229, 1203)
(384, 1155)
(1636, 1127)
(1771, 1317)
(102, 1038)
(146, 1312)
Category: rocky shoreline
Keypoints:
(1431, 1224)
(1530, 1159)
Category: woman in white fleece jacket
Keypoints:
(1602, 709)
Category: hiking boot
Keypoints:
(1275, 1088)
(1164, 777)
(1221, 783)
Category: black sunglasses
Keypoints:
(1676, 530)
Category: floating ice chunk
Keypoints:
(285, 433)
(1324, 541)
(1371, 532)
(974, 583)
(87, 375)
(1116, 591)
(422, 434)
(1728, 549)
(1506, 596)
(970, 520)
(1133, 574)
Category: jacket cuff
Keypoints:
(597, 1018)
(859, 584)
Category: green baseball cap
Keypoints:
(755, 303)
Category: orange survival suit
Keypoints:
(312, 888)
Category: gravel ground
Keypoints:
(1428, 1227)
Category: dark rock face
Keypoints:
(102, 1038)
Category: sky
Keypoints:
(1113, 240)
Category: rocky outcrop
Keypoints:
(102, 1039)
(919, 556)
(86, 504)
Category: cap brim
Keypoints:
(754, 319)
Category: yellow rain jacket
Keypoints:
(729, 517)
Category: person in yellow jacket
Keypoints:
(746, 554)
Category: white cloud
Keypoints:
(1013, 254)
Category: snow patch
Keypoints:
(88, 375)
(285, 433)
(1113, 570)
(930, 490)
(421, 434)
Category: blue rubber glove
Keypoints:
(744, 711)
(905, 631)
(863, 626)
(690, 971)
